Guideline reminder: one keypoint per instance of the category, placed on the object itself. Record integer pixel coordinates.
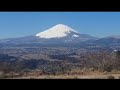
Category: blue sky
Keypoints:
(18, 24)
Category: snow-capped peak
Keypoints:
(57, 31)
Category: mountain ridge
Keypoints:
(58, 33)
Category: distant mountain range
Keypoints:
(62, 34)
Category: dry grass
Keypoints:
(74, 74)
(70, 77)
(2, 74)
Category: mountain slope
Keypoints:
(109, 41)
(64, 33)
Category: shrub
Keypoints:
(2, 74)
(111, 77)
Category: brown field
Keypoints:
(85, 75)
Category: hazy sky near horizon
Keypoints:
(99, 24)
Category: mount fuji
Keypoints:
(59, 33)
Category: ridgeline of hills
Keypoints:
(62, 35)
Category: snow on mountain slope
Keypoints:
(57, 31)
(75, 35)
